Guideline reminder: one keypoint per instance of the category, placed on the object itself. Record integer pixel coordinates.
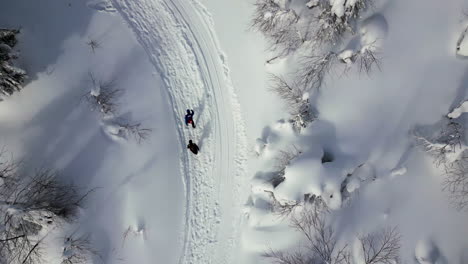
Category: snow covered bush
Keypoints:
(314, 68)
(282, 160)
(449, 150)
(11, 77)
(279, 25)
(296, 100)
(321, 22)
(30, 207)
(103, 96)
(446, 145)
(334, 18)
(124, 129)
(77, 249)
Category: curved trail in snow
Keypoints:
(179, 38)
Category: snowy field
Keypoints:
(369, 154)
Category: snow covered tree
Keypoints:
(325, 22)
(446, 145)
(333, 18)
(11, 77)
(279, 25)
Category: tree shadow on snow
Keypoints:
(45, 25)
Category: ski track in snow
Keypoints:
(179, 38)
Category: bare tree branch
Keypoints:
(381, 247)
(104, 96)
(456, 181)
(135, 130)
(78, 249)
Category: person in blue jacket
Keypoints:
(189, 118)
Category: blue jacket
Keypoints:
(189, 116)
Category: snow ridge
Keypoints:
(179, 39)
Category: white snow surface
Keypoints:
(168, 61)
(457, 112)
(158, 202)
(178, 37)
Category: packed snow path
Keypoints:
(179, 39)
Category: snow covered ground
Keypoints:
(155, 201)
(140, 187)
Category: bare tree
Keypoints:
(78, 249)
(104, 96)
(367, 59)
(314, 68)
(329, 27)
(281, 257)
(381, 247)
(322, 242)
(282, 208)
(321, 245)
(456, 181)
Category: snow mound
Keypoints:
(373, 32)
(101, 5)
(462, 44)
(457, 112)
(426, 252)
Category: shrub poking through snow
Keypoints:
(103, 96)
(296, 100)
(133, 130)
(11, 77)
(445, 147)
(282, 160)
(93, 44)
(78, 249)
(282, 208)
(30, 208)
